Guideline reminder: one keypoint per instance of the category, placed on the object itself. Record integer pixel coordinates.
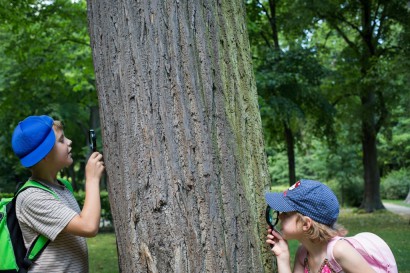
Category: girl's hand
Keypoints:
(279, 246)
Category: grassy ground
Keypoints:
(103, 253)
(394, 229)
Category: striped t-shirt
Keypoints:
(39, 211)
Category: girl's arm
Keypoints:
(350, 259)
(280, 249)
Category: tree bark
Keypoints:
(290, 151)
(288, 134)
(371, 200)
(407, 201)
(182, 135)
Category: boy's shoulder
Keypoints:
(34, 193)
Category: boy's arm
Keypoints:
(86, 223)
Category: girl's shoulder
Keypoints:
(301, 255)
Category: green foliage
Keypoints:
(395, 143)
(396, 185)
(287, 84)
(105, 203)
(349, 192)
(6, 195)
(288, 75)
(46, 69)
(325, 52)
(339, 167)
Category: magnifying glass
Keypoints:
(272, 218)
(92, 140)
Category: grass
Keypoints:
(102, 251)
(394, 229)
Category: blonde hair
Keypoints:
(320, 232)
(58, 124)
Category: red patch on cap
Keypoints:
(294, 186)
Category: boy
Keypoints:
(41, 145)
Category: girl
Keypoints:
(308, 213)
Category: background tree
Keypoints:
(369, 30)
(46, 69)
(288, 77)
(182, 135)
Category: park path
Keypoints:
(402, 210)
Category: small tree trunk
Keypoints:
(407, 201)
(290, 150)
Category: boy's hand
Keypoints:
(95, 167)
(86, 223)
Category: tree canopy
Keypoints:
(313, 61)
(47, 69)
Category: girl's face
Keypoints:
(291, 227)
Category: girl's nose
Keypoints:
(281, 216)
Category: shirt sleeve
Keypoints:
(42, 212)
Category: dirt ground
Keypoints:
(401, 210)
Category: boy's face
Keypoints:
(60, 155)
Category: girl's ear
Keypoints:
(307, 223)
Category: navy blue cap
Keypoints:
(33, 138)
(308, 197)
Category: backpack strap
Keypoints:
(67, 184)
(40, 242)
(35, 184)
(331, 259)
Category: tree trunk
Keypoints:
(182, 135)
(288, 134)
(407, 201)
(290, 150)
(371, 199)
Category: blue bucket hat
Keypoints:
(33, 138)
(308, 197)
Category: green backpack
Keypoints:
(14, 257)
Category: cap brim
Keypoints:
(277, 201)
(40, 152)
